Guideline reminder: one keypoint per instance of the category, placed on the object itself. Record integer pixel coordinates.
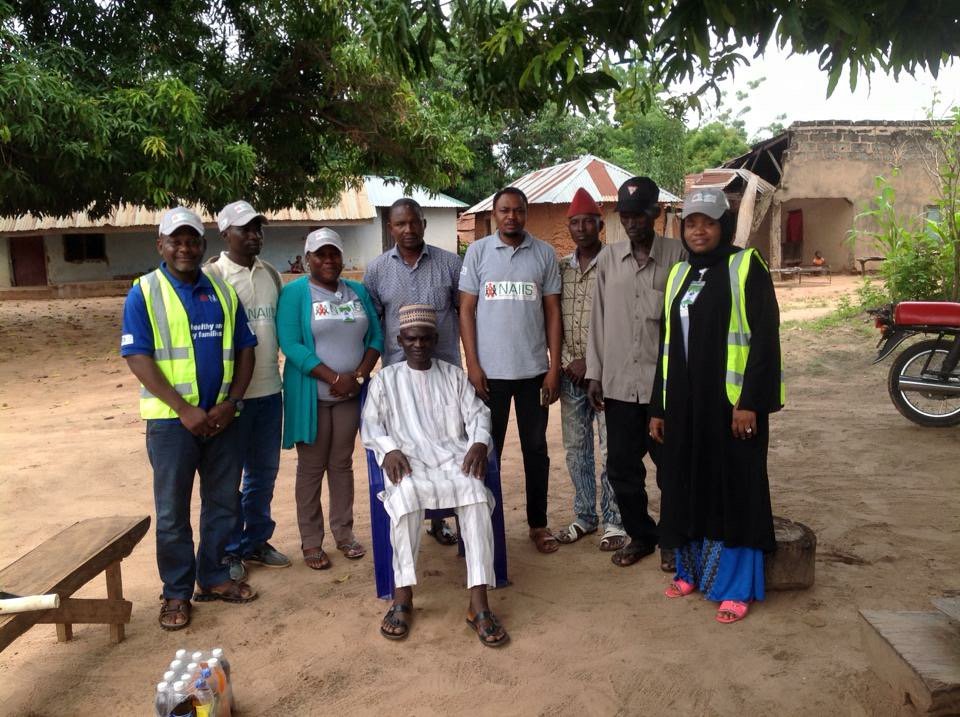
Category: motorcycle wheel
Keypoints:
(924, 408)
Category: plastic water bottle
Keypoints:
(217, 653)
(170, 677)
(187, 679)
(224, 663)
(198, 658)
(218, 683)
(177, 666)
(194, 671)
(203, 699)
(182, 702)
(161, 700)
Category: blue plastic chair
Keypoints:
(380, 528)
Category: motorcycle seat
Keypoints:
(928, 313)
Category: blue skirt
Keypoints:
(722, 573)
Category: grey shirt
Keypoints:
(433, 280)
(624, 339)
(510, 284)
(339, 324)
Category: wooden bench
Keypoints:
(65, 563)
(864, 260)
(800, 271)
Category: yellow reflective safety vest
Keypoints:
(173, 343)
(738, 333)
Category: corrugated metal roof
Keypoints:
(558, 184)
(721, 177)
(384, 191)
(354, 205)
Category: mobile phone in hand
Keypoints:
(544, 396)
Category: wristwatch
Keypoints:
(237, 403)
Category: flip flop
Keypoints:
(235, 592)
(679, 588)
(492, 630)
(443, 534)
(613, 539)
(572, 533)
(392, 618)
(544, 540)
(352, 550)
(732, 611)
(170, 608)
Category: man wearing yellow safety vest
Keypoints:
(185, 337)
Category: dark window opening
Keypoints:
(84, 247)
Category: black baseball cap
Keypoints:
(638, 194)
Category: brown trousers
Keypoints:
(331, 452)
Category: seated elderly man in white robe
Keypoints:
(431, 435)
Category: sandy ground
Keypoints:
(588, 638)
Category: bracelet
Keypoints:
(335, 380)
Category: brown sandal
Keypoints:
(544, 540)
(170, 611)
(316, 559)
(352, 550)
(231, 591)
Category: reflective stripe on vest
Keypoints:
(173, 342)
(738, 331)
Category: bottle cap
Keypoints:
(179, 686)
(196, 656)
(162, 686)
(186, 678)
(181, 653)
(176, 665)
(192, 667)
(200, 684)
(205, 673)
(217, 652)
(169, 675)
(212, 663)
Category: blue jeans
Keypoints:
(577, 418)
(259, 425)
(176, 455)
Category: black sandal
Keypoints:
(494, 629)
(633, 553)
(441, 533)
(392, 619)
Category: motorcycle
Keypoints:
(924, 381)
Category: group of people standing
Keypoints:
(600, 330)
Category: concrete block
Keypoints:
(918, 655)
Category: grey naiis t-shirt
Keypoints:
(339, 324)
(510, 284)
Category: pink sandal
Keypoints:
(732, 611)
(678, 588)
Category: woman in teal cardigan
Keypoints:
(331, 337)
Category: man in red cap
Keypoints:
(578, 416)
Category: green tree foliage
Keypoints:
(544, 48)
(150, 102)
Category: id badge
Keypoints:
(346, 312)
(693, 291)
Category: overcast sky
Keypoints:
(795, 86)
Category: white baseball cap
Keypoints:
(237, 214)
(710, 201)
(177, 217)
(322, 237)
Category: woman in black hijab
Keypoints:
(718, 379)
